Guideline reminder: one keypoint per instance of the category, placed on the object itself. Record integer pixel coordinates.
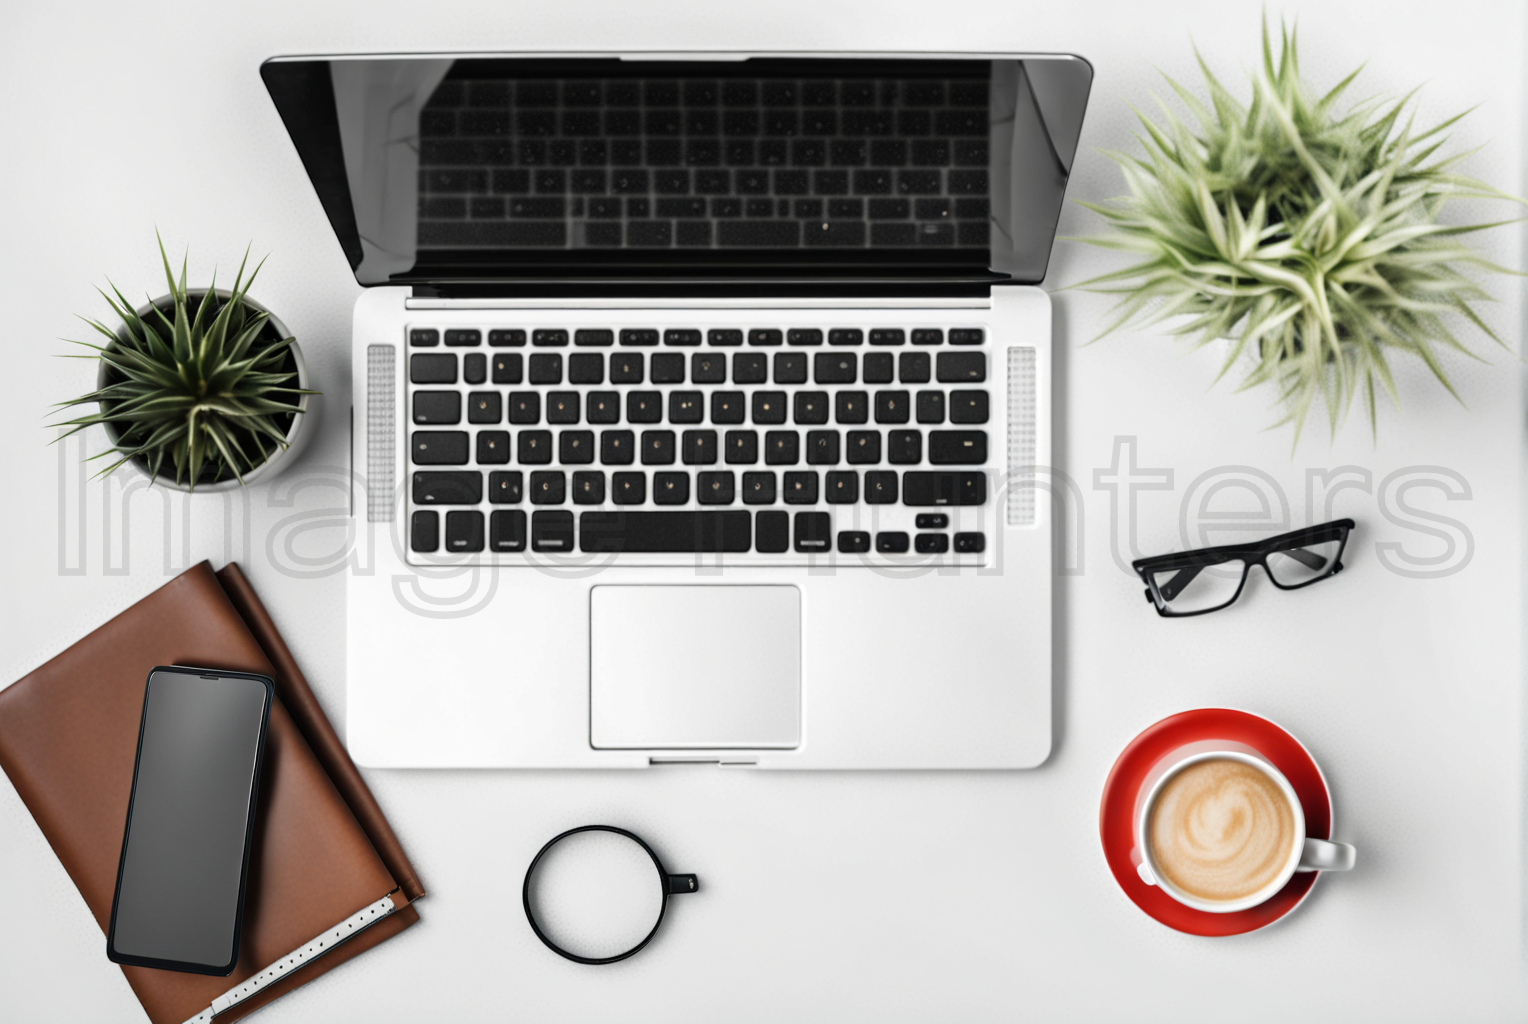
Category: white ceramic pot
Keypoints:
(296, 436)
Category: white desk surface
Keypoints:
(832, 897)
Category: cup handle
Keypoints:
(1321, 855)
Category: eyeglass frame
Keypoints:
(1250, 554)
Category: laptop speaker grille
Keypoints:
(1021, 437)
(381, 370)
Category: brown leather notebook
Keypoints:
(327, 879)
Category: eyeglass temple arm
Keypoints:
(1182, 578)
(1309, 559)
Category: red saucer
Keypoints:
(1116, 814)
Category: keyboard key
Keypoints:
(759, 488)
(822, 447)
(970, 543)
(888, 336)
(961, 367)
(592, 336)
(714, 488)
(699, 447)
(562, 407)
(667, 368)
(463, 337)
(506, 339)
(801, 488)
(769, 407)
(535, 447)
(507, 368)
(552, 530)
(913, 367)
(492, 447)
(626, 368)
(853, 542)
(448, 487)
(880, 487)
(437, 407)
(782, 448)
(439, 447)
(617, 447)
(904, 447)
(928, 336)
(708, 368)
(967, 336)
(506, 530)
(852, 407)
(931, 543)
(433, 368)
(877, 368)
(686, 407)
(644, 406)
(772, 531)
(804, 336)
(464, 531)
(603, 407)
(932, 521)
(474, 368)
(505, 488)
(424, 531)
(893, 542)
(833, 367)
(930, 406)
(968, 407)
(485, 407)
(575, 447)
(864, 447)
(724, 336)
(638, 336)
(765, 336)
(666, 532)
(957, 447)
(811, 407)
(424, 337)
(892, 406)
(586, 368)
(549, 337)
(681, 336)
(944, 488)
(525, 407)
(728, 407)
(546, 368)
(843, 487)
(814, 531)
(548, 487)
(790, 368)
(749, 368)
(588, 487)
(657, 447)
(846, 336)
(628, 488)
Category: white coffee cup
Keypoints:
(1305, 853)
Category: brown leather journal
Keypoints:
(323, 852)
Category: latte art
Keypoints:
(1221, 830)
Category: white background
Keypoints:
(874, 897)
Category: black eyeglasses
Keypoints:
(1206, 580)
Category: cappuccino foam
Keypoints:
(1221, 830)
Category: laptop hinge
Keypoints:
(705, 290)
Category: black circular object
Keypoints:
(668, 885)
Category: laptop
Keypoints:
(697, 404)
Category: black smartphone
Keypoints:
(179, 901)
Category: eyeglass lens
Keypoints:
(1199, 588)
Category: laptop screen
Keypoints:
(440, 170)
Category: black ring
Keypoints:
(667, 884)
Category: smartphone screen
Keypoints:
(185, 854)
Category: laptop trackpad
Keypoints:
(695, 666)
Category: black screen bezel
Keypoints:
(216, 970)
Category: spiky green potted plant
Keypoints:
(201, 388)
(1306, 237)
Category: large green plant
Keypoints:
(1306, 235)
(203, 390)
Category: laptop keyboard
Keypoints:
(778, 442)
(731, 164)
